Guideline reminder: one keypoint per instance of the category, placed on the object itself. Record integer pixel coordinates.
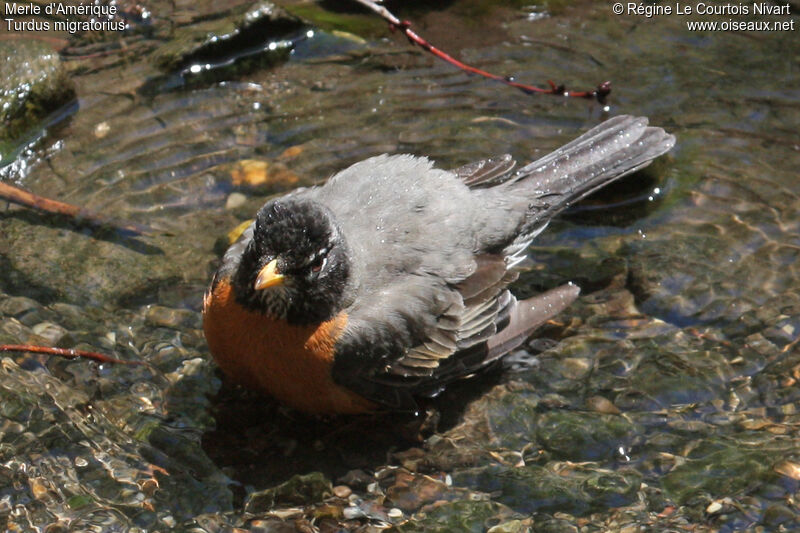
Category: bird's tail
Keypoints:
(617, 147)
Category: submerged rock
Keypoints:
(33, 84)
(248, 34)
(465, 516)
(299, 490)
(558, 487)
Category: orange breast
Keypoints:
(291, 363)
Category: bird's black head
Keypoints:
(296, 266)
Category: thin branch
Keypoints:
(68, 353)
(23, 197)
(600, 93)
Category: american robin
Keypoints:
(390, 281)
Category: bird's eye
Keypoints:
(317, 262)
(316, 265)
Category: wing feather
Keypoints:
(450, 345)
(486, 172)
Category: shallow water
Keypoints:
(665, 397)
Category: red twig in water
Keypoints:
(601, 92)
(23, 197)
(68, 353)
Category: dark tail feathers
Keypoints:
(528, 315)
(613, 149)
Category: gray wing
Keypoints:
(394, 349)
(480, 308)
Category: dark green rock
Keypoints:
(362, 24)
(726, 471)
(580, 436)
(612, 489)
(779, 515)
(534, 488)
(246, 32)
(513, 419)
(555, 525)
(302, 489)
(33, 84)
(466, 516)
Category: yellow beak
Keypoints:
(269, 276)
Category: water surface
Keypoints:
(665, 397)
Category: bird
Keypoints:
(391, 280)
